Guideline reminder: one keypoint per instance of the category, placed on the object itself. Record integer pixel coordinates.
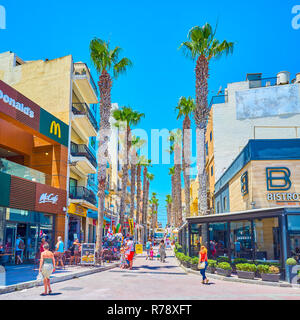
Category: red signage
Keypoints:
(17, 106)
(49, 199)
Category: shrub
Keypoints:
(180, 256)
(267, 263)
(224, 266)
(274, 269)
(239, 260)
(222, 259)
(263, 268)
(250, 267)
(212, 263)
(291, 262)
(178, 247)
(195, 260)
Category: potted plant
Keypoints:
(292, 270)
(269, 273)
(246, 270)
(211, 268)
(223, 259)
(224, 269)
(194, 263)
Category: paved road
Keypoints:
(154, 280)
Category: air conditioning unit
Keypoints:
(298, 78)
(283, 77)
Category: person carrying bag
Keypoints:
(202, 264)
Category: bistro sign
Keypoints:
(278, 179)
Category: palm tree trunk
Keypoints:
(124, 178)
(200, 116)
(144, 197)
(105, 84)
(146, 209)
(138, 196)
(132, 189)
(177, 181)
(186, 155)
(173, 212)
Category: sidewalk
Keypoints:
(24, 276)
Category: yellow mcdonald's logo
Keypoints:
(56, 128)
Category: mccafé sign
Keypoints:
(278, 181)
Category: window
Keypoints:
(218, 240)
(267, 239)
(225, 203)
(210, 136)
(93, 142)
(294, 236)
(206, 148)
(218, 207)
(241, 239)
(211, 170)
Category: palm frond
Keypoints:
(121, 67)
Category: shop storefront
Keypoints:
(77, 223)
(33, 170)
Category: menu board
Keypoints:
(88, 253)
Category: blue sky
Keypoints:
(150, 33)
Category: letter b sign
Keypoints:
(278, 178)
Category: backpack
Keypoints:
(21, 245)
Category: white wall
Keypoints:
(231, 134)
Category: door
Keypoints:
(22, 232)
(10, 241)
(32, 241)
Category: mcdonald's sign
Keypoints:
(55, 129)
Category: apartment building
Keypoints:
(67, 90)
(258, 108)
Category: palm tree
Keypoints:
(150, 177)
(136, 143)
(145, 196)
(169, 208)
(185, 107)
(125, 117)
(154, 208)
(105, 60)
(140, 162)
(202, 46)
(176, 140)
(173, 219)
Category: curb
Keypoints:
(233, 279)
(37, 283)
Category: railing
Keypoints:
(83, 193)
(83, 109)
(81, 150)
(218, 99)
(92, 183)
(20, 171)
(84, 70)
(264, 82)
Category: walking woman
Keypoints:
(203, 263)
(47, 266)
(162, 251)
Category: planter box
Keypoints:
(188, 265)
(211, 269)
(222, 272)
(194, 267)
(270, 277)
(184, 263)
(245, 274)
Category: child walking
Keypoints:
(151, 253)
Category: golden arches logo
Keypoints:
(56, 128)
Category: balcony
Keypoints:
(218, 99)
(85, 83)
(84, 121)
(83, 159)
(259, 82)
(83, 196)
(27, 173)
